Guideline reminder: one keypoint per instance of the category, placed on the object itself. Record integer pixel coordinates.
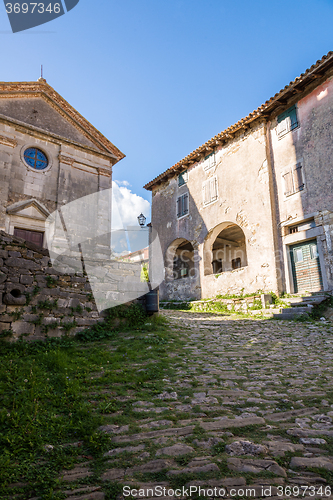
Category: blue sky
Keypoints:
(159, 78)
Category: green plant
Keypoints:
(47, 304)
(6, 334)
(144, 277)
(16, 314)
(77, 309)
(50, 281)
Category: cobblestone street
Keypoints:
(259, 400)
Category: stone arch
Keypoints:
(179, 260)
(224, 249)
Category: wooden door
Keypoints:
(32, 236)
(306, 267)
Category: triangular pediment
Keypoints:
(37, 104)
(29, 208)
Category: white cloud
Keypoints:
(129, 204)
(122, 183)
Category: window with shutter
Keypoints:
(293, 180)
(182, 178)
(287, 121)
(210, 190)
(182, 205)
(213, 189)
(210, 161)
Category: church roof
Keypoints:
(42, 90)
(274, 104)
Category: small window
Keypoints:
(293, 180)
(182, 178)
(236, 263)
(183, 272)
(210, 161)
(293, 230)
(35, 158)
(287, 121)
(210, 190)
(182, 205)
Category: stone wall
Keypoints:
(37, 302)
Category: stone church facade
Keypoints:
(252, 208)
(49, 156)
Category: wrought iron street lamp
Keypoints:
(142, 220)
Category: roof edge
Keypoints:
(317, 70)
(41, 87)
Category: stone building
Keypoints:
(252, 208)
(49, 156)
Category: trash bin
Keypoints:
(152, 301)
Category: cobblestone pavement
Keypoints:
(258, 397)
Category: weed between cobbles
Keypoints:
(45, 400)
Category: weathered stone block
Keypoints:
(23, 328)
(26, 279)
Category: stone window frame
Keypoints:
(36, 146)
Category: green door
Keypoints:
(306, 267)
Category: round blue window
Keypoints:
(35, 158)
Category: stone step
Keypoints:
(289, 313)
(295, 310)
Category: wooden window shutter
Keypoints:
(298, 177)
(293, 117)
(288, 184)
(213, 189)
(185, 204)
(179, 206)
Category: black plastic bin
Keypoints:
(153, 301)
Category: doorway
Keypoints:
(305, 266)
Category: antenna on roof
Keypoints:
(41, 78)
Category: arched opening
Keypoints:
(225, 249)
(179, 260)
(183, 261)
